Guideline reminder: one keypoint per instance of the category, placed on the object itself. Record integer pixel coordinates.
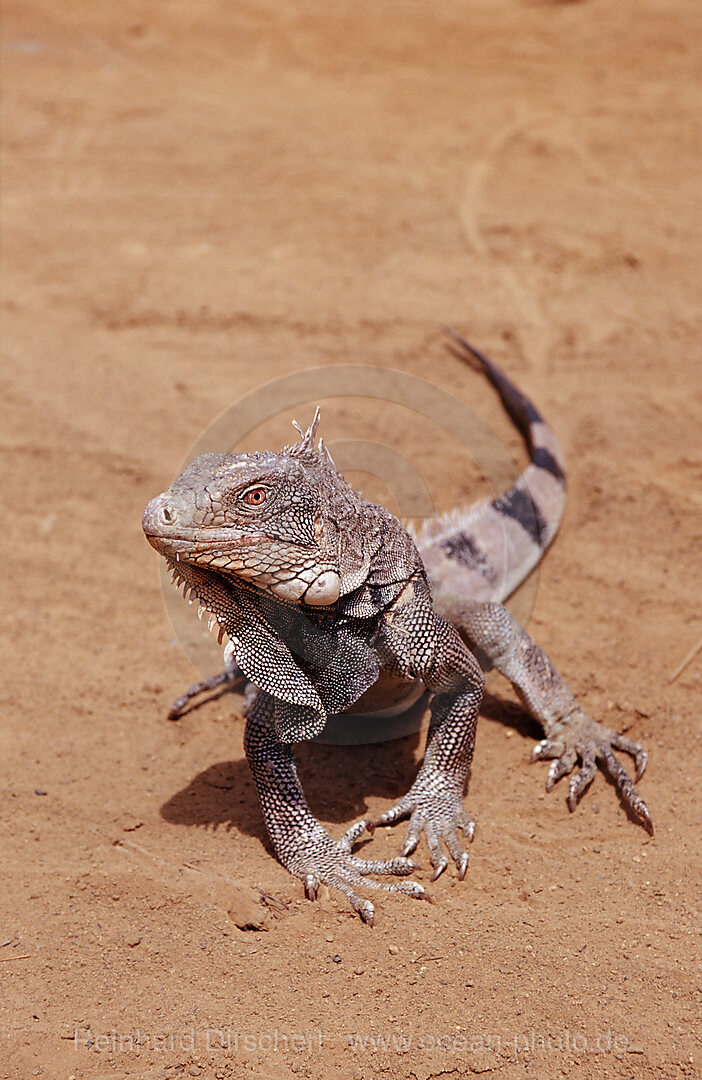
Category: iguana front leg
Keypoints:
(570, 734)
(301, 843)
(423, 644)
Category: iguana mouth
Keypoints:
(178, 547)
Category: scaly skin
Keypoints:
(320, 594)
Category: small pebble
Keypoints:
(336, 959)
(392, 949)
(133, 941)
(358, 970)
(40, 791)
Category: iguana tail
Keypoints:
(485, 551)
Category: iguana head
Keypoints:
(269, 519)
(267, 543)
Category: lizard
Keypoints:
(322, 598)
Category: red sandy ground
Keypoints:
(201, 197)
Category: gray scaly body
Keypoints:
(323, 596)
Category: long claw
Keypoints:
(439, 868)
(311, 887)
(459, 856)
(468, 831)
(364, 908)
(645, 817)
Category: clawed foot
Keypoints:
(328, 862)
(581, 738)
(434, 805)
(230, 679)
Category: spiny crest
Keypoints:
(306, 444)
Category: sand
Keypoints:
(202, 198)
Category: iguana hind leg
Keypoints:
(570, 734)
(231, 679)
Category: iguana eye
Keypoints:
(255, 496)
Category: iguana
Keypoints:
(321, 595)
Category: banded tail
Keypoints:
(485, 551)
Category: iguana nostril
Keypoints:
(167, 515)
